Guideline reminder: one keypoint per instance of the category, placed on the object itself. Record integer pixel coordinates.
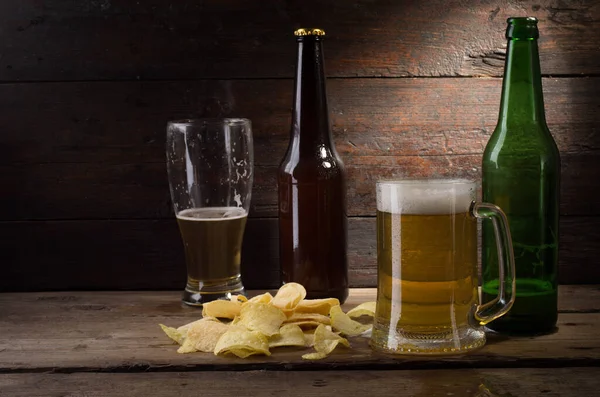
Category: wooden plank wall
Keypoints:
(86, 88)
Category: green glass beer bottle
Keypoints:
(521, 174)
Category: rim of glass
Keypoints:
(231, 121)
(449, 181)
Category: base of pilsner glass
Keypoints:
(198, 292)
(461, 340)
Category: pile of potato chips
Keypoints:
(245, 327)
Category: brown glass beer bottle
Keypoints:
(312, 185)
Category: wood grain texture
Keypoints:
(556, 382)
(148, 254)
(98, 40)
(124, 122)
(96, 150)
(118, 332)
(141, 191)
(119, 255)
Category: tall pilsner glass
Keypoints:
(210, 167)
(427, 295)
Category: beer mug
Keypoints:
(210, 169)
(427, 292)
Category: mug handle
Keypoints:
(506, 263)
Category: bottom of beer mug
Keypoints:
(198, 292)
(459, 340)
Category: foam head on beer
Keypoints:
(425, 197)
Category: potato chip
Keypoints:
(173, 333)
(241, 353)
(242, 343)
(238, 298)
(300, 317)
(261, 317)
(288, 296)
(184, 328)
(325, 342)
(364, 309)
(203, 336)
(309, 338)
(306, 324)
(262, 298)
(318, 306)
(289, 335)
(264, 322)
(341, 322)
(221, 309)
(314, 356)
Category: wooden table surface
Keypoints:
(109, 344)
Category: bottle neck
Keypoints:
(522, 98)
(310, 120)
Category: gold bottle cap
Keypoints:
(309, 32)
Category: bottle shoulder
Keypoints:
(318, 154)
(309, 168)
(526, 142)
(522, 134)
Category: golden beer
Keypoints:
(212, 237)
(427, 265)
